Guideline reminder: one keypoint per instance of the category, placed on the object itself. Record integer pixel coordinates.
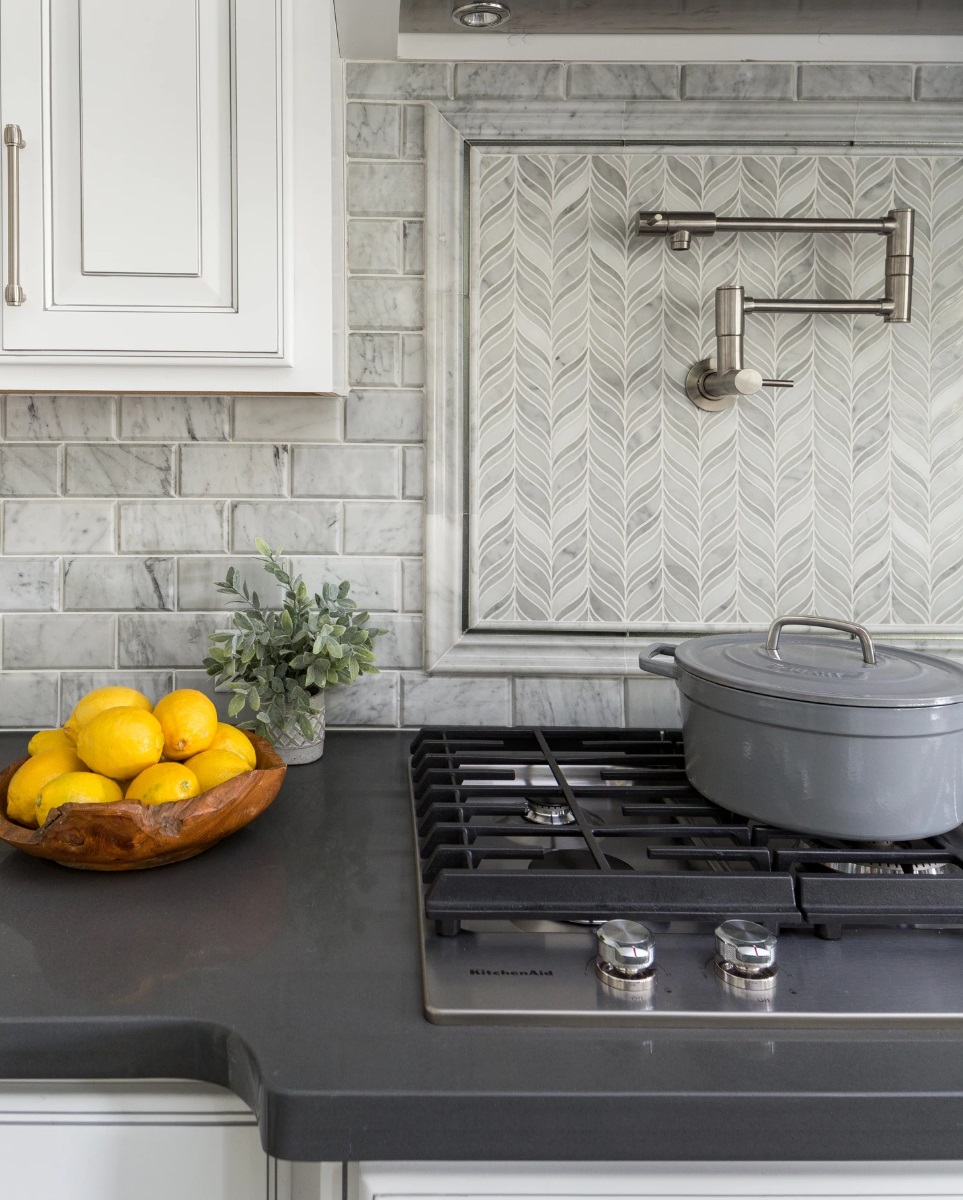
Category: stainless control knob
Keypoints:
(626, 956)
(746, 955)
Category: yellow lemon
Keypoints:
(162, 783)
(76, 787)
(49, 739)
(121, 742)
(216, 766)
(38, 771)
(189, 722)
(87, 707)
(230, 738)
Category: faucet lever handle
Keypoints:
(779, 383)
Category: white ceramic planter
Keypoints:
(295, 748)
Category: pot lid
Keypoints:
(823, 670)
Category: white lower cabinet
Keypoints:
(150, 1141)
(653, 1181)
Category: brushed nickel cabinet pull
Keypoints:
(13, 293)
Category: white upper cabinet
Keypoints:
(174, 204)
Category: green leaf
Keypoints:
(306, 729)
(253, 699)
(237, 703)
(263, 548)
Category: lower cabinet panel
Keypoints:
(116, 1142)
(653, 1181)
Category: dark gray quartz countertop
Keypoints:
(284, 964)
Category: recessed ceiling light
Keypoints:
(481, 14)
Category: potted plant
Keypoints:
(279, 662)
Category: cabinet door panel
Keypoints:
(150, 181)
(123, 1162)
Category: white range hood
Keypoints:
(658, 30)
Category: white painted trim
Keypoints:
(669, 47)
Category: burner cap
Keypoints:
(542, 813)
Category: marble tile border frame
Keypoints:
(451, 129)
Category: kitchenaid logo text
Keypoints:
(480, 971)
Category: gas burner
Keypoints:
(869, 868)
(541, 813)
(861, 867)
(931, 868)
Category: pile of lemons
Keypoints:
(117, 746)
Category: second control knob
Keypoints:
(746, 956)
(626, 956)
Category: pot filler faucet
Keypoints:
(717, 382)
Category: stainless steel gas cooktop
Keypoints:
(572, 876)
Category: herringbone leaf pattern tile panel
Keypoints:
(602, 499)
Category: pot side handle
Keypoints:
(647, 661)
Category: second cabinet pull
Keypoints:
(13, 293)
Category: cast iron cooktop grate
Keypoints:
(639, 841)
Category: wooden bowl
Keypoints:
(128, 836)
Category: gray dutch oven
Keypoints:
(820, 735)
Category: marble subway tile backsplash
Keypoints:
(119, 513)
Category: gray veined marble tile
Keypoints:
(75, 684)
(198, 576)
(370, 700)
(413, 360)
(455, 700)
(236, 470)
(523, 81)
(383, 527)
(379, 303)
(111, 469)
(413, 241)
(172, 527)
(373, 130)
(375, 582)
(29, 470)
(939, 81)
(58, 641)
(402, 646)
(738, 81)
(623, 81)
(413, 585)
(165, 639)
(413, 473)
(414, 143)
(57, 527)
(374, 246)
(580, 702)
(389, 415)
(389, 189)
(200, 681)
(74, 418)
(175, 418)
(373, 359)
(28, 699)
(287, 418)
(347, 471)
(398, 81)
(29, 584)
(652, 704)
(856, 81)
(139, 584)
(299, 526)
